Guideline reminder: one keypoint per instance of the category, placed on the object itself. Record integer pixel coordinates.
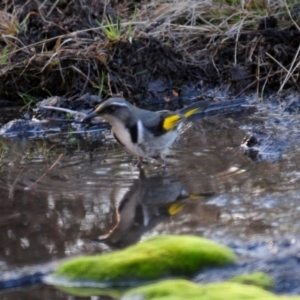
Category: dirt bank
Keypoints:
(147, 51)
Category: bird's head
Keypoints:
(115, 109)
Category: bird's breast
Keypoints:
(141, 142)
(127, 137)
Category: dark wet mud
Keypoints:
(61, 198)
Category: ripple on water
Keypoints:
(52, 206)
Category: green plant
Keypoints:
(115, 32)
(28, 100)
(3, 55)
(111, 30)
(101, 86)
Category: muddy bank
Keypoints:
(147, 51)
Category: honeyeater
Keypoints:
(142, 132)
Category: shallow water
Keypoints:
(58, 195)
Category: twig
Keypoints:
(53, 165)
(291, 70)
(282, 66)
(62, 121)
(237, 39)
(264, 86)
(72, 112)
(256, 81)
(290, 15)
(12, 187)
(86, 81)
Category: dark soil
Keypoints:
(60, 49)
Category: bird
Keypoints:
(142, 132)
(143, 207)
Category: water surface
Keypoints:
(60, 194)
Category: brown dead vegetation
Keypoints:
(145, 49)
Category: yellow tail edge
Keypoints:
(191, 111)
(171, 121)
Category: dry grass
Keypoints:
(243, 43)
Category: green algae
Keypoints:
(182, 290)
(185, 290)
(259, 279)
(158, 257)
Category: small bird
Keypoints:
(142, 132)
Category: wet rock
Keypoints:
(28, 129)
(52, 116)
(259, 146)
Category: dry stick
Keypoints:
(83, 75)
(12, 187)
(258, 73)
(282, 66)
(264, 86)
(252, 49)
(71, 112)
(53, 165)
(28, 63)
(236, 40)
(55, 54)
(86, 81)
(108, 83)
(290, 15)
(51, 9)
(291, 71)
(255, 81)
(5, 36)
(294, 69)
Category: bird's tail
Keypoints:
(201, 109)
(192, 111)
(209, 108)
(172, 120)
(194, 108)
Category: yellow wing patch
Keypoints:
(176, 208)
(171, 121)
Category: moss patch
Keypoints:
(182, 289)
(161, 256)
(259, 279)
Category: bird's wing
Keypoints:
(162, 121)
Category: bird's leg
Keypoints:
(142, 175)
(163, 159)
(140, 162)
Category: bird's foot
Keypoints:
(164, 165)
(139, 164)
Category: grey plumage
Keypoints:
(142, 132)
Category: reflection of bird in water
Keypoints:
(148, 202)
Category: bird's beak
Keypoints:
(90, 116)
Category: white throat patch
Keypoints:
(140, 132)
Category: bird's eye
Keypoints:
(112, 109)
